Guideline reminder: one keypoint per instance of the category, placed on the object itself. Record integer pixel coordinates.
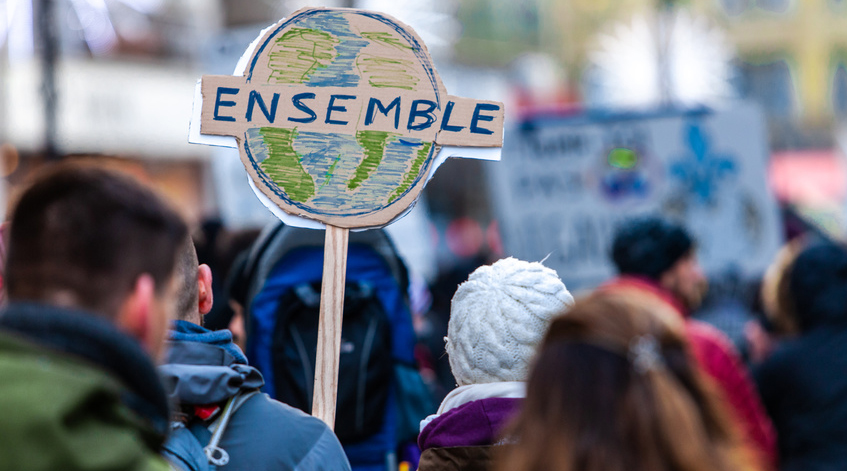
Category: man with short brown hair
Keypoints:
(91, 290)
(204, 371)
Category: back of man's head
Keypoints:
(649, 246)
(82, 236)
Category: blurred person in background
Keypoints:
(225, 252)
(221, 249)
(778, 321)
(656, 258)
(437, 318)
(204, 370)
(498, 317)
(89, 277)
(802, 383)
(614, 388)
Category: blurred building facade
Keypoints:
(124, 75)
(790, 57)
(111, 81)
(791, 54)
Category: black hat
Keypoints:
(818, 285)
(649, 246)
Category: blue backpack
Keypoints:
(381, 396)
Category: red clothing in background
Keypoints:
(719, 360)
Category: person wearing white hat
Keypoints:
(497, 319)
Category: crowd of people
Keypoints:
(107, 365)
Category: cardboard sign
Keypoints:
(565, 185)
(339, 115)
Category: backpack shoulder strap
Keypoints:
(238, 400)
(185, 448)
(216, 455)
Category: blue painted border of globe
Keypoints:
(424, 61)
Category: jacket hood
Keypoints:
(98, 342)
(205, 367)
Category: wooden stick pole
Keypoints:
(329, 327)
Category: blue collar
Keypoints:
(184, 331)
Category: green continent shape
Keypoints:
(373, 144)
(298, 53)
(383, 72)
(386, 38)
(283, 164)
(330, 172)
(410, 176)
(388, 72)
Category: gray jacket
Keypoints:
(204, 367)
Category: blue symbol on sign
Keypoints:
(701, 171)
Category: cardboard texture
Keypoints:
(339, 116)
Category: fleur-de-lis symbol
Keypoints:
(701, 171)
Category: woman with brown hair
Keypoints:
(614, 389)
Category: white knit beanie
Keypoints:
(498, 317)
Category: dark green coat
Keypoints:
(63, 411)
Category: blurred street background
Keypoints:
(729, 115)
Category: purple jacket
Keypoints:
(457, 431)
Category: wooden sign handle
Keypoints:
(329, 324)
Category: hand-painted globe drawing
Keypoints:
(330, 176)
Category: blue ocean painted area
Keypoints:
(374, 191)
(342, 71)
(258, 149)
(330, 158)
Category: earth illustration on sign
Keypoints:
(339, 113)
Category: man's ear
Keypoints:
(205, 300)
(134, 314)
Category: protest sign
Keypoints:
(339, 116)
(567, 183)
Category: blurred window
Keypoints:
(497, 31)
(735, 7)
(775, 6)
(839, 91)
(838, 7)
(770, 84)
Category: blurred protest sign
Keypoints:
(567, 182)
(339, 117)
